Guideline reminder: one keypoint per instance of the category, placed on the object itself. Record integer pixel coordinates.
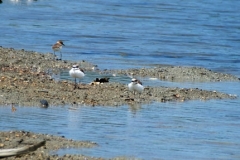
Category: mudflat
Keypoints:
(26, 79)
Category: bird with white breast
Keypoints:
(76, 72)
(57, 47)
(135, 86)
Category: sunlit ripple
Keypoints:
(22, 2)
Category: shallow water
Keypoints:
(119, 34)
(187, 130)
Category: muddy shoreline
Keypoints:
(15, 139)
(25, 81)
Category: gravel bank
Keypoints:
(25, 79)
(178, 74)
(14, 139)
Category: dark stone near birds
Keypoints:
(102, 80)
(44, 103)
(129, 99)
(97, 80)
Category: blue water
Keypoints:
(134, 34)
(119, 34)
(187, 130)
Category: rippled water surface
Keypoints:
(127, 34)
(122, 34)
(168, 130)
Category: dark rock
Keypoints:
(44, 103)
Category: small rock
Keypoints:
(44, 103)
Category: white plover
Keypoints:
(135, 86)
(75, 72)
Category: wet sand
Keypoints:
(25, 81)
(26, 78)
(15, 139)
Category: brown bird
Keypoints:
(13, 108)
(57, 47)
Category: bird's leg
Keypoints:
(60, 55)
(55, 57)
(75, 85)
(78, 84)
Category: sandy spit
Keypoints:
(26, 78)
